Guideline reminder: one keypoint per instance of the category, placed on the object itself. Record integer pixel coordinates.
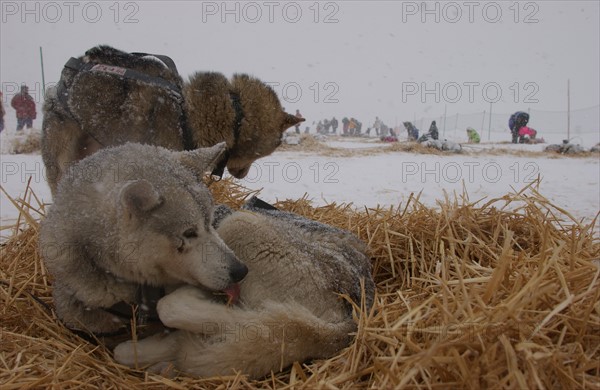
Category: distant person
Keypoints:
(432, 134)
(345, 125)
(473, 136)
(326, 126)
(2, 112)
(527, 135)
(515, 122)
(433, 131)
(352, 126)
(298, 115)
(320, 127)
(383, 130)
(412, 131)
(334, 125)
(24, 105)
(391, 137)
(377, 125)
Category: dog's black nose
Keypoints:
(238, 272)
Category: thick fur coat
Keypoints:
(97, 108)
(293, 302)
(131, 216)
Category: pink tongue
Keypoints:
(233, 293)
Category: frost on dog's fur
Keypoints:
(129, 216)
(290, 308)
(336, 252)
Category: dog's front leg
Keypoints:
(76, 315)
(189, 308)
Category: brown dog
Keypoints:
(109, 97)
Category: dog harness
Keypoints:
(142, 312)
(78, 65)
(146, 299)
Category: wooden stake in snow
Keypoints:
(568, 109)
(43, 78)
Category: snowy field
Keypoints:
(370, 177)
(389, 178)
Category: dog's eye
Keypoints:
(190, 233)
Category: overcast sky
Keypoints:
(394, 59)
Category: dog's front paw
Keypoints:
(125, 353)
(188, 309)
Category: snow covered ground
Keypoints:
(389, 178)
(372, 177)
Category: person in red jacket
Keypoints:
(25, 107)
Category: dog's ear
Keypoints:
(203, 160)
(290, 120)
(140, 196)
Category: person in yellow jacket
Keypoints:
(473, 135)
(352, 126)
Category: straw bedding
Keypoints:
(503, 294)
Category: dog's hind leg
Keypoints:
(258, 342)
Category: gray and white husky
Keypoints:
(290, 305)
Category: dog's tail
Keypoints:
(268, 340)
